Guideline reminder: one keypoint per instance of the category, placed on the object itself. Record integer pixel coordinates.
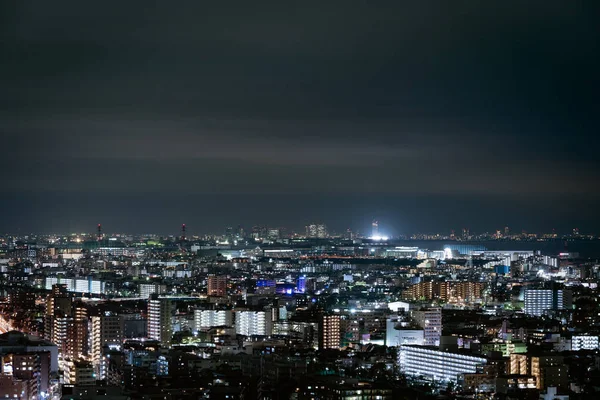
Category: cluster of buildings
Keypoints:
(181, 318)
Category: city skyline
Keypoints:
(317, 229)
(284, 200)
(485, 115)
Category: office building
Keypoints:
(316, 231)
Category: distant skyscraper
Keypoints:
(316, 231)
(160, 325)
(274, 234)
(375, 229)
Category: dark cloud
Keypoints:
(346, 103)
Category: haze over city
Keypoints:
(430, 117)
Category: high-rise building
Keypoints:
(301, 284)
(316, 231)
(106, 329)
(210, 318)
(59, 307)
(274, 234)
(160, 324)
(77, 338)
(431, 322)
(59, 331)
(329, 331)
(59, 301)
(251, 323)
(217, 285)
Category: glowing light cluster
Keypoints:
(379, 238)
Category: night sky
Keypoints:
(424, 115)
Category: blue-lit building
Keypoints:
(265, 283)
(301, 284)
(285, 288)
(502, 269)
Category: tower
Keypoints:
(106, 329)
(182, 232)
(99, 235)
(375, 229)
(160, 325)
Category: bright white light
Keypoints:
(447, 253)
(378, 238)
